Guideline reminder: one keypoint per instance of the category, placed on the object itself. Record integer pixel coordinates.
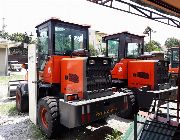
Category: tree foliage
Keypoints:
(92, 50)
(172, 42)
(152, 46)
(17, 37)
(20, 50)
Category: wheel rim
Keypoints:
(43, 112)
(18, 98)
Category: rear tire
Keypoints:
(130, 109)
(48, 116)
(22, 103)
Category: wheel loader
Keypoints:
(132, 70)
(73, 88)
(174, 65)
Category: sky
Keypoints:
(24, 15)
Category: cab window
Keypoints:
(67, 40)
(113, 48)
(43, 47)
(133, 50)
(175, 55)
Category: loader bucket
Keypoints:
(12, 85)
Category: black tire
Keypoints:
(48, 116)
(132, 107)
(22, 102)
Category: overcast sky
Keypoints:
(24, 15)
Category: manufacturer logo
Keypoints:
(106, 112)
(143, 75)
(72, 77)
(119, 69)
(49, 70)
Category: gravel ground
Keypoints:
(14, 126)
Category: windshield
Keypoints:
(132, 50)
(43, 47)
(175, 55)
(113, 48)
(67, 40)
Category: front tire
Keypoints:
(48, 116)
(22, 103)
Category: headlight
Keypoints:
(91, 62)
(105, 62)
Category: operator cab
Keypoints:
(174, 58)
(57, 37)
(124, 45)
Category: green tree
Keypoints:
(172, 42)
(103, 51)
(17, 37)
(92, 50)
(152, 46)
(62, 42)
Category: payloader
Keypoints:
(146, 79)
(174, 65)
(73, 88)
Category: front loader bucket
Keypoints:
(12, 85)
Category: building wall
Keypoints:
(95, 39)
(3, 62)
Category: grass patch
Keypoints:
(8, 109)
(6, 79)
(116, 135)
(36, 133)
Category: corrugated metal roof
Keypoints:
(151, 130)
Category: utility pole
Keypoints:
(3, 25)
(150, 30)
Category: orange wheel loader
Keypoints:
(174, 65)
(131, 70)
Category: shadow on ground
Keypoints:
(25, 129)
(98, 131)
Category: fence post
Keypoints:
(135, 127)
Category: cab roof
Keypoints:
(117, 35)
(56, 20)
